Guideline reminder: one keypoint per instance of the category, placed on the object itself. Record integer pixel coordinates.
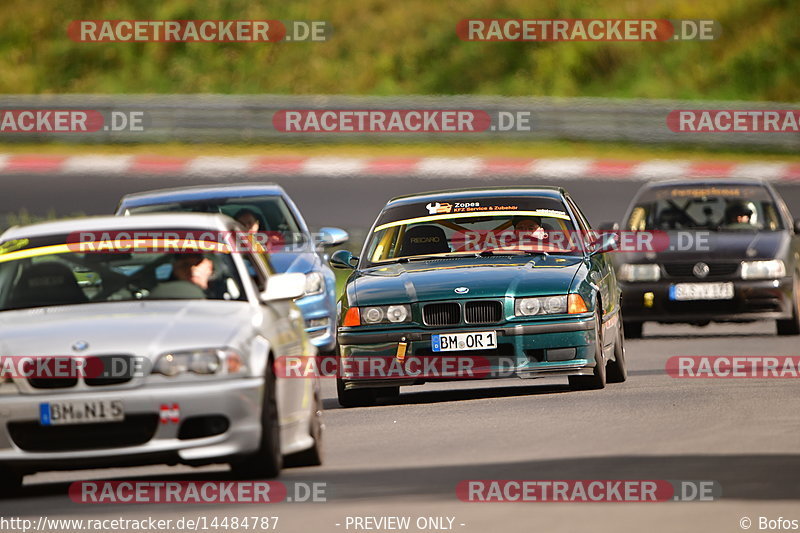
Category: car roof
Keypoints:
(472, 193)
(201, 192)
(158, 221)
(713, 182)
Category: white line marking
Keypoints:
(210, 165)
(333, 166)
(562, 168)
(767, 171)
(97, 164)
(449, 166)
(660, 169)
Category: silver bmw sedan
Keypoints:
(149, 339)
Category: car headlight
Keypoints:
(384, 314)
(203, 362)
(631, 272)
(315, 283)
(545, 305)
(550, 305)
(774, 268)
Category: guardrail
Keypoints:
(248, 119)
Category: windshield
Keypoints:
(485, 226)
(44, 274)
(719, 208)
(268, 214)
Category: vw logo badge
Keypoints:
(700, 270)
(462, 290)
(80, 346)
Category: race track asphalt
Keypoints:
(406, 457)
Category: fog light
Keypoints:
(649, 297)
(561, 354)
(317, 322)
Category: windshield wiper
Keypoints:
(490, 253)
(419, 258)
(483, 253)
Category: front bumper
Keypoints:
(752, 300)
(27, 446)
(525, 349)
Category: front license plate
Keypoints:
(85, 412)
(701, 291)
(451, 342)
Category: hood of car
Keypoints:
(302, 262)
(714, 246)
(462, 278)
(139, 328)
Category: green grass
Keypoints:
(24, 218)
(383, 47)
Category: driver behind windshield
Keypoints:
(738, 216)
(528, 225)
(249, 219)
(191, 276)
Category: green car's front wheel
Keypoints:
(617, 372)
(598, 378)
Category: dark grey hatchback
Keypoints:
(733, 255)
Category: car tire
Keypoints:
(267, 461)
(388, 393)
(616, 370)
(312, 456)
(791, 326)
(598, 378)
(354, 397)
(10, 482)
(633, 330)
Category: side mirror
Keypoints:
(332, 237)
(284, 287)
(343, 259)
(606, 243)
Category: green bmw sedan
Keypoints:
(478, 284)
